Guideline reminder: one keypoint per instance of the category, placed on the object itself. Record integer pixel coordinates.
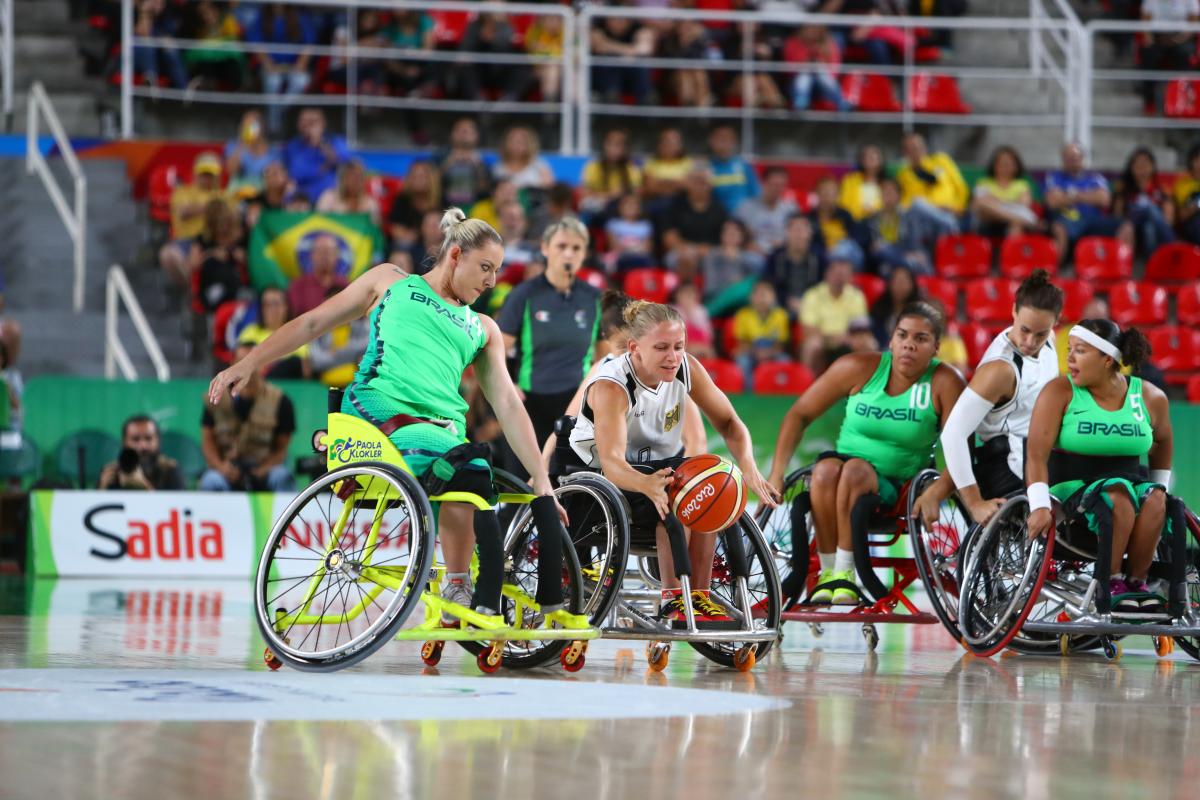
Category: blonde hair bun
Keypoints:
(452, 217)
(642, 315)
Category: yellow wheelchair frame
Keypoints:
(349, 442)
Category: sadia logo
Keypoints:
(707, 492)
(346, 450)
(179, 537)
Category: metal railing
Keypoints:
(74, 218)
(6, 62)
(117, 288)
(1066, 70)
(353, 53)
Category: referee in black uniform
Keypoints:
(553, 321)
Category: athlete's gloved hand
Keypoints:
(1039, 522)
(981, 512)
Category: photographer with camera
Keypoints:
(140, 466)
(245, 438)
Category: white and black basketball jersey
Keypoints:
(1012, 418)
(654, 421)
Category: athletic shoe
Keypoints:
(1151, 602)
(456, 590)
(708, 613)
(672, 611)
(1122, 596)
(844, 595)
(822, 596)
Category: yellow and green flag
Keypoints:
(281, 245)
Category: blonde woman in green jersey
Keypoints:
(423, 335)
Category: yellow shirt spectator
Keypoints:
(673, 169)
(1185, 187)
(594, 179)
(190, 195)
(752, 329)
(948, 191)
(860, 198)
(828, 314)
(257, 334)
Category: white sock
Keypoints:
(844, 560)
(1117, 576)
(826, 561)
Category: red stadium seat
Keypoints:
(1177, 262)
(782, 377)
(1021, 255)
(1134, 303)
(1076, 295)
(725, 374)
(943, 291)
(977, 338)
(450, 26)
(1102, 259)
(1183, 98)
(220, 340)
(867, 92)
(594, 277)
(655, 285)
(872, 286)
(1193, 389)
(1175, 349)
(990, 299)
(965, 256)
(936, 94)
(1187, 305)
(162, 181)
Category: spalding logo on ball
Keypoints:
(707, 494)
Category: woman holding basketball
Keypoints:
(630, 426)
(896, 401)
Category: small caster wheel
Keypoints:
(272, 661)
(745, 658)
(1064, 645)
(1164, 645)
(489, 660)
(657, 654)
(1112, 650)
(572, 658)
(431, 653)
(871, 635)
(818, 630)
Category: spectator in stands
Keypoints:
(1077, 200)
(795, 266)
(141, 466)
(1140, 198)
(274, 195)
(410, 30)
(350, 196)
(691, 224)
(901, 290)
(832, 224)
(860, 192)
(733, 179)
(310, 289)
(932, 191)
(761, 330)
(273, 313)
(861, 336)
(1170, 50)
(421, 194)
(767, 216)
(247, 156)
(188, 204)
(154, 19)
(825, 312)
(219, 254)
(465, 178)
(630, 236)
(514, 230)
(313, 157)
(490, 34)
(817, 79)
(335, 355)
(545, 38)
(608, 177)
(12, 386)
(426, 247)
(215, 64)
(285, 74)
(245, 438)
(488, 209)
(729, 269)
(666, 171)
(697, 323)
(881, 42)
(1002, 203)
(1187, 198)
(893, 236)
(560, 202)
(690, 40)
(623, 38)
(952, 350)
(519, 161)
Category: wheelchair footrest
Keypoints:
(861, 614)
(504, 634)
(1114, 628)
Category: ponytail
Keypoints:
(467, 234)
(1038, 292)
(642, 315)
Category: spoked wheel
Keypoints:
(1068, 578)
(343, 567)
(1003, 574)
(599, 533)
(936, 548)
(758, 592)
(790, 551)
(1191, 644)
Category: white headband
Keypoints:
(1096, 341)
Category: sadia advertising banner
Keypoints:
(176, 534)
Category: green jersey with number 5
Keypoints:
(1088, 429)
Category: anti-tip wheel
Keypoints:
(1112, 650)
(871, 635)
(1164, 645)
(1064, 645)
(489, 660)
(272, 661)
(657, 655)
(572, 664)
(431, 653)
(818, 630)
(744, 659)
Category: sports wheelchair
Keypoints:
(1051, 594)
(621, 582)
(935, 548)
(351, 557)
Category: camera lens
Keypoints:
(128, 460)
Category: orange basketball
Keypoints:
(707, 494)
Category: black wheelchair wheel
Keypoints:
(790, 552)
(600, 539)
(936, 548)
(1191, 644)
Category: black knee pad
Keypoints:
(491, 560)
(1177, 519)
(678, 541)
(550, 554)
(1095, 505)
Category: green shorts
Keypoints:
(1075, 496)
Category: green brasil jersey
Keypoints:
(1088, 429)
(895, 435)
(414, 362)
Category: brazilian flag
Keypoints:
(281, 245)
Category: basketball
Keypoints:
(707, 494)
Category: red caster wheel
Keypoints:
(572, 657)
(431, 653)
(272, 661)
(489, 660)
